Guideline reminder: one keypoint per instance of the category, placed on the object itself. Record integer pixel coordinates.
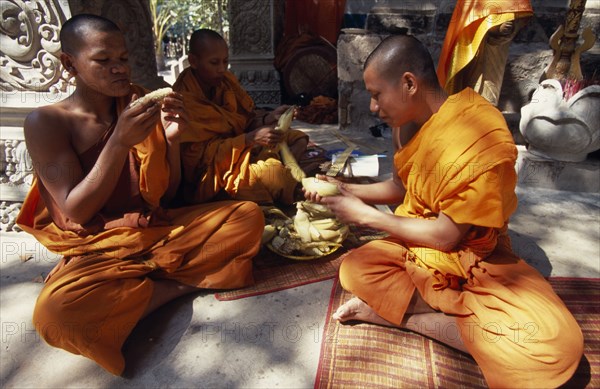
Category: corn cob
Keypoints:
(157, 96)
(322, 188)
(288, 159)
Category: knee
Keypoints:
(243, 210)
(252, 217)
(350, 273)
(569, 345)
(250, 209)
(48, 317)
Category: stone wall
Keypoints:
(529, 52)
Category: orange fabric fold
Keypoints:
(461, 163)
(227, 114)
(215, 157)
(470, 22)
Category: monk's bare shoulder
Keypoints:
(47, 122)
(48, 132)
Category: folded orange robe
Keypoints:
(471, 20)
(461, 163)
(214, 153)
(98, 292)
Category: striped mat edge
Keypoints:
(395, 358)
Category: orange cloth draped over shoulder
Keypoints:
(99, 290)
(470, 22)
(214, 153)
(461, 163)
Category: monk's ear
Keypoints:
(67, 62)
(410, 83)
(193, 60)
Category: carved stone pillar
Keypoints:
(255, 26)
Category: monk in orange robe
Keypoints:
(447, 269)
(103, 169)
(228, 148)
(476, 45)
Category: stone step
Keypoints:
(534, 171)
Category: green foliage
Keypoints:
(185, 16)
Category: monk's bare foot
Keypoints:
(356, 309)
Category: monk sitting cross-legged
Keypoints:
(447, 269)
(103, 168)
(229, 148)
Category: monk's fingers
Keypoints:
(148, 119)
(152, 110)
(275, 137)
(175, 118)
(173, 100)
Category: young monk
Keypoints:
(103, 167)
(447, 269)
(229, 148)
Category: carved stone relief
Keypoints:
(29, 45)
(251, 28)
(15, 180)
(255, 26)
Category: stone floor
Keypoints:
(268, 341)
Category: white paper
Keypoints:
(360, 166)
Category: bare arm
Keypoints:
(80, 196)
(387, 192)
(441, 233)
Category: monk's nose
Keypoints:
(119, 68)
(373, 106)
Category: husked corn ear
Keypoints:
(315, 234)
(290, 162)
(285, 120)
(268, 233)
(313, 231)
(288, 159)
(316, 210)
(322, 188)
(329, 235)
(302, 225)
(157, 95)
(325, 224)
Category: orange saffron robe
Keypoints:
(101, 287)
(461, 163)
(214, 153)
(471, 20)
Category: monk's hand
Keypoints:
(314, 196)
(267, 136)
(347, 208)
(136, 123)
(175, 119)
(273, 116)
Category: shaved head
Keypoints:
(398, 54)
(200, 37)
(78, 26)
